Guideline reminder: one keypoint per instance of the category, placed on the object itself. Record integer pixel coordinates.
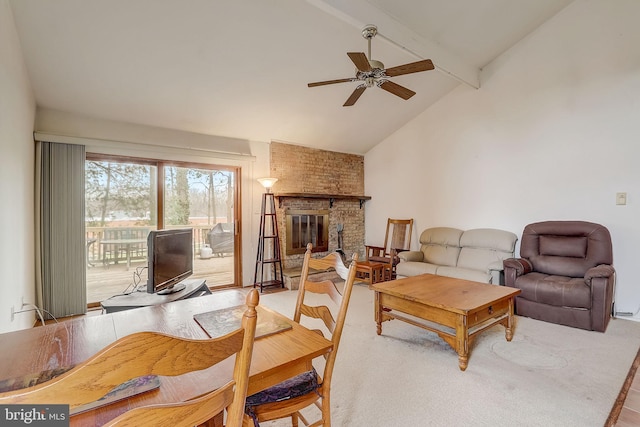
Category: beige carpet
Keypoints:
(548, 375)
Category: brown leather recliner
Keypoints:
(565, 274)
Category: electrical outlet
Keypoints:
(13, 313)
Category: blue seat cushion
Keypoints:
(299, 385)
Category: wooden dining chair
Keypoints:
(287, 399)
(397, 238)
(152, 353)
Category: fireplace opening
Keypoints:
(307, 226)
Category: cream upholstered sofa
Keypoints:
(471, 255)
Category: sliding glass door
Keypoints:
(125, 198)
(204, 199)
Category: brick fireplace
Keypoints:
(325, 185)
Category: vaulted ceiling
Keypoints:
(240, 68)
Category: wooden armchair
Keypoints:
(396, 239)
(151, 353)
(288, 398)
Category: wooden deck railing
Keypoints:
(98, 253)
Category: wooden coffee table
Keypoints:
(457, 310)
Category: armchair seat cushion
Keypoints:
(553, 290)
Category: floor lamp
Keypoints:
(268, 271)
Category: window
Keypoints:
(125, 198)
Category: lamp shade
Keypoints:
(267, 182)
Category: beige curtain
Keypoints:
(60, 229)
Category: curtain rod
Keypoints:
(127, 145)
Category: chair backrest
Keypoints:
(120, 233)
(398, 235)
(152, 353)
(333, 319)
(566, 248)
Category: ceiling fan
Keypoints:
(371, 72)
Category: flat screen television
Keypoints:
(170, 259)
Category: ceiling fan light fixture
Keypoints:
(373, 73)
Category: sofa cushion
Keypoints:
(484, 246)
(446, 236)
(560, 291)
(414, 268)
(490, 238)
(411, 256)
(465, 274)
(441, 245)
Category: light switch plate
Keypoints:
(621, 198)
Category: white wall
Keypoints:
(17, 112)
(553, 133)
(110, 137)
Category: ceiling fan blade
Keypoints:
(396, 89)
(330, 82)
(360, 61)
(354, 96)
(414, 67)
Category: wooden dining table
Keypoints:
(275, 358)
(120, 243)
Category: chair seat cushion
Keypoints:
(299, 385)
(554, 290)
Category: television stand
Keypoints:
(192, 288)
(173, 289)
